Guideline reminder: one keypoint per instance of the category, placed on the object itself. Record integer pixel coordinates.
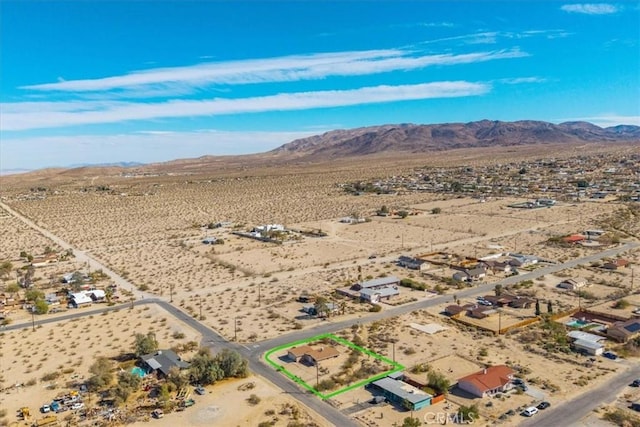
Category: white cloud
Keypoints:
(162, 81)
(591, 8)
(34, 115)
(520, 80)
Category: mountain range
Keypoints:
(412, 138)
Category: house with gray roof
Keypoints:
(401, 393)
(162, 361)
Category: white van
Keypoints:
(530, 411)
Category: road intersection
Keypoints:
(254, 351)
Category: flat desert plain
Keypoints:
(148, 229)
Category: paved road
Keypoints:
(332, 326)
(254, 353)
(81, 256)
(570, 413)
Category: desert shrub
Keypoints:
(253, 399)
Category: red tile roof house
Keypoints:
(615, 264)
(491, 380)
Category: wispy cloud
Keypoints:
(521, 80)
(161, 81)
(33, 115)
(591, 8)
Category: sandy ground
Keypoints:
(150, 230)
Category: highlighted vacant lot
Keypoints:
(306, 358)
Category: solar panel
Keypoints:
(634, 327)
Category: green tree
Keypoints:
(322, 309)
(438, 382)
(498, 290)
(145, 344)
(411, 422)
(33, 295)
(5, 269)
(538, 312)
(384, 210)
(204, 368)
(127, 384)
(102, 370)
(232, 364)
(549, 307)
(403, 214)
(77, 280)
(41, 306)
(436, 211)
(12, 288)
(469, 413)
(177, 378)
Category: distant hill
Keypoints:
(115, 164)
(411, 138)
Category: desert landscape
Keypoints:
(185, 238)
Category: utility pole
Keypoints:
(235, 329)
(171, 292)
(499, 321)
(259, 294)
(33, 318)
(317, 374)
(200, 304)
(393, 343)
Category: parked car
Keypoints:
(45, 408)
(157, 413)
(636, 383)
(200, 390)
(77, 405)
(610, 355)
(530, 411)
(484, 302)
(543, 405)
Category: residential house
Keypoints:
(624, 331)
(573, 284)
(373, 290)
(296, 353)
(44, 260)
(454, 310)
(467, 275)
(314, 356)
(401, 393)
(79, 299)
(162, 361)
(587, 343)
(520, 260)
(521, 302)
(497, 266)
(412, 263)
(615, 264)
(574, 238)
(491, 380)
(481, 312)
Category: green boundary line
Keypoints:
(395, 365)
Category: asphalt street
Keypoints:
(254, 351)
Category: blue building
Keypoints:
(401, 393)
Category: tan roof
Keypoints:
(322, 353)
(490, 378)
(300, 351)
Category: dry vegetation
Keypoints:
(148, 228)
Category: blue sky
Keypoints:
(107, 81)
